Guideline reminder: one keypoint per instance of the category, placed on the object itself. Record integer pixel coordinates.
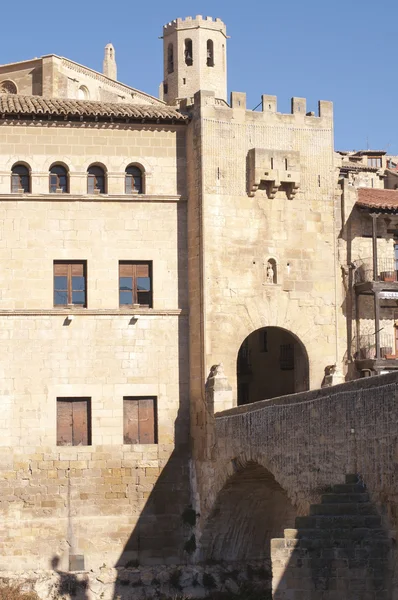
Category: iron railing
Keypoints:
(386, 270)
(364, 346)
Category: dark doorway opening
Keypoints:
(271, 362)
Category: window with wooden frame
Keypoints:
(73, 421)
(135, 283)
(139, 420)
(375, 162)
(20, 179)
(58, 180)
(96, 181)
(134, 180)
(70, 279)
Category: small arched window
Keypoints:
(58, 179)
(20, 179)
(134, 180)
(188, 53)
(210, 53)
(96, 180)
(170, 58)
(83, 93)
(8, 87)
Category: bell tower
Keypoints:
(195, 58)
(109, 65)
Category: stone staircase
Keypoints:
(339, 552)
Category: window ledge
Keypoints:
(64, 312)
(67, 197)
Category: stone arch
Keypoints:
(250, 509)
(65, 161)
(271, 362)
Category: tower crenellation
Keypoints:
(195, 57)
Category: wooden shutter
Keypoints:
(73, 422)
(126, 269)
(80, 422)
(60, 269)
(77, 270)
(130, 421)
(64, 423)
(142, 270)
(146, 418)
(139, 420)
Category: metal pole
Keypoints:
(374, 239)
(377, 323)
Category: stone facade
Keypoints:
(249, 219)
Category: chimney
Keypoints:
(109, 65)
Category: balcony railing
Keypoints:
(366, 348)
(386, 270)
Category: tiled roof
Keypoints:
(14, 105)
(351, 166)
(378, 199)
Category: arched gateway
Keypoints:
(271, 362)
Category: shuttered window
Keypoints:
(70, 283)
(139, 420)
(135, 283)
(73, 421)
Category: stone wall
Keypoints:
(145, 583)
(103, 501)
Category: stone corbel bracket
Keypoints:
(273, 170)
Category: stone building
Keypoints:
(144, 240)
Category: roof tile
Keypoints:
(13, 104)
(378, 199)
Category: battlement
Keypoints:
(269, 107)
(194, 23)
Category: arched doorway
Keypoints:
(271, 362)
(250, 510)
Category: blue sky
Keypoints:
(340, 51)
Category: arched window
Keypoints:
(170, 58)
(58, 179)
(83, 93)
(210, 53)
(8, 87)
(20, 179)
(188, 53)
(134, 180)
(95, 180)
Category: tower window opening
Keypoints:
(170, 59)
(210, 53)
(165, 89)
(184, 80)
(188, 53)
(272, 163)
(286, 164)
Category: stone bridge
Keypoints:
(308, 481)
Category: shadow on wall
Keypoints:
(340, 552)
(68, 584)
(250, 510)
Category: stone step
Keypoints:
(348, 488)
(338, 522)
(360, 508)
(354, 478)
(343, 498)
(364, 534)
(357, 548)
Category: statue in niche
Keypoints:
(270, 272)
